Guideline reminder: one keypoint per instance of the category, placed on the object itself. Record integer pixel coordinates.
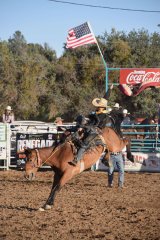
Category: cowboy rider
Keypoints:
(92, 129)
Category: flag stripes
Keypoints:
(80, 35)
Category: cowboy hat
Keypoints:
(8, 108)
(116, 105)
(100, 102)
(125, 111)
(58, 119)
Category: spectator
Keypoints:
(126, 118)
(117, 118)
(58, 121)
(8, 116)
(149, 121)
(116, 159)
(116, 106)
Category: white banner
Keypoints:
(2, 132)
(3, 150)
(145, 162)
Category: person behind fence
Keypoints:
(92, 129)
(116, 160)
(126, 118)
(117, 117)
(8, 115)
(149, 121)
(58, 121)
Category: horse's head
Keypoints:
(32, 163)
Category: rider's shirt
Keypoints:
(117, 115)
(126, 121)
(8, 118)
(99, 119)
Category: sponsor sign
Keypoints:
(137, 76)
(134, 81)
(34, 140)
(38, 140)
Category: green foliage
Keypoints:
(137, 49)
(39, 86)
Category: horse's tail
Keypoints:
(128, 148)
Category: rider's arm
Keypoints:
(108, 93)
(93, 119)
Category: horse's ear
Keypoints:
(27, 151)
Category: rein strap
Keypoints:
(39, 161)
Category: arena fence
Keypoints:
(5, 151)
(145, 145)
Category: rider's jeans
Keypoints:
(85, 144)
(116, 161)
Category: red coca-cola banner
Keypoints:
(137, 75)
(134, 81)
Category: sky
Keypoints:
(44, 21)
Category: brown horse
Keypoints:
(59, 159)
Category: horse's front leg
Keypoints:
(59, 181)
(55, 188)
(50, 201)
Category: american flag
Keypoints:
(80, 35)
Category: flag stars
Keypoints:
(82, 30)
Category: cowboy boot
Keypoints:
(79, 156)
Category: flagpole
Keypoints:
(105, 64)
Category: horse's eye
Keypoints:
(30, 160)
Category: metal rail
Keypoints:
(144, 141)
(149, 142)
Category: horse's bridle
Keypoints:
(39, 160)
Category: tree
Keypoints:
(8, 92)
(17, 44)
(40, 86)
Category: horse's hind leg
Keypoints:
(129, 154)
(55, 188)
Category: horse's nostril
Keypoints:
(29, 176)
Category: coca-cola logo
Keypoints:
(137, 77)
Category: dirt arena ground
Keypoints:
(84, 209)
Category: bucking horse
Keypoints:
(59, 158)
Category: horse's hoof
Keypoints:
(41, 209)
(47, 207)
